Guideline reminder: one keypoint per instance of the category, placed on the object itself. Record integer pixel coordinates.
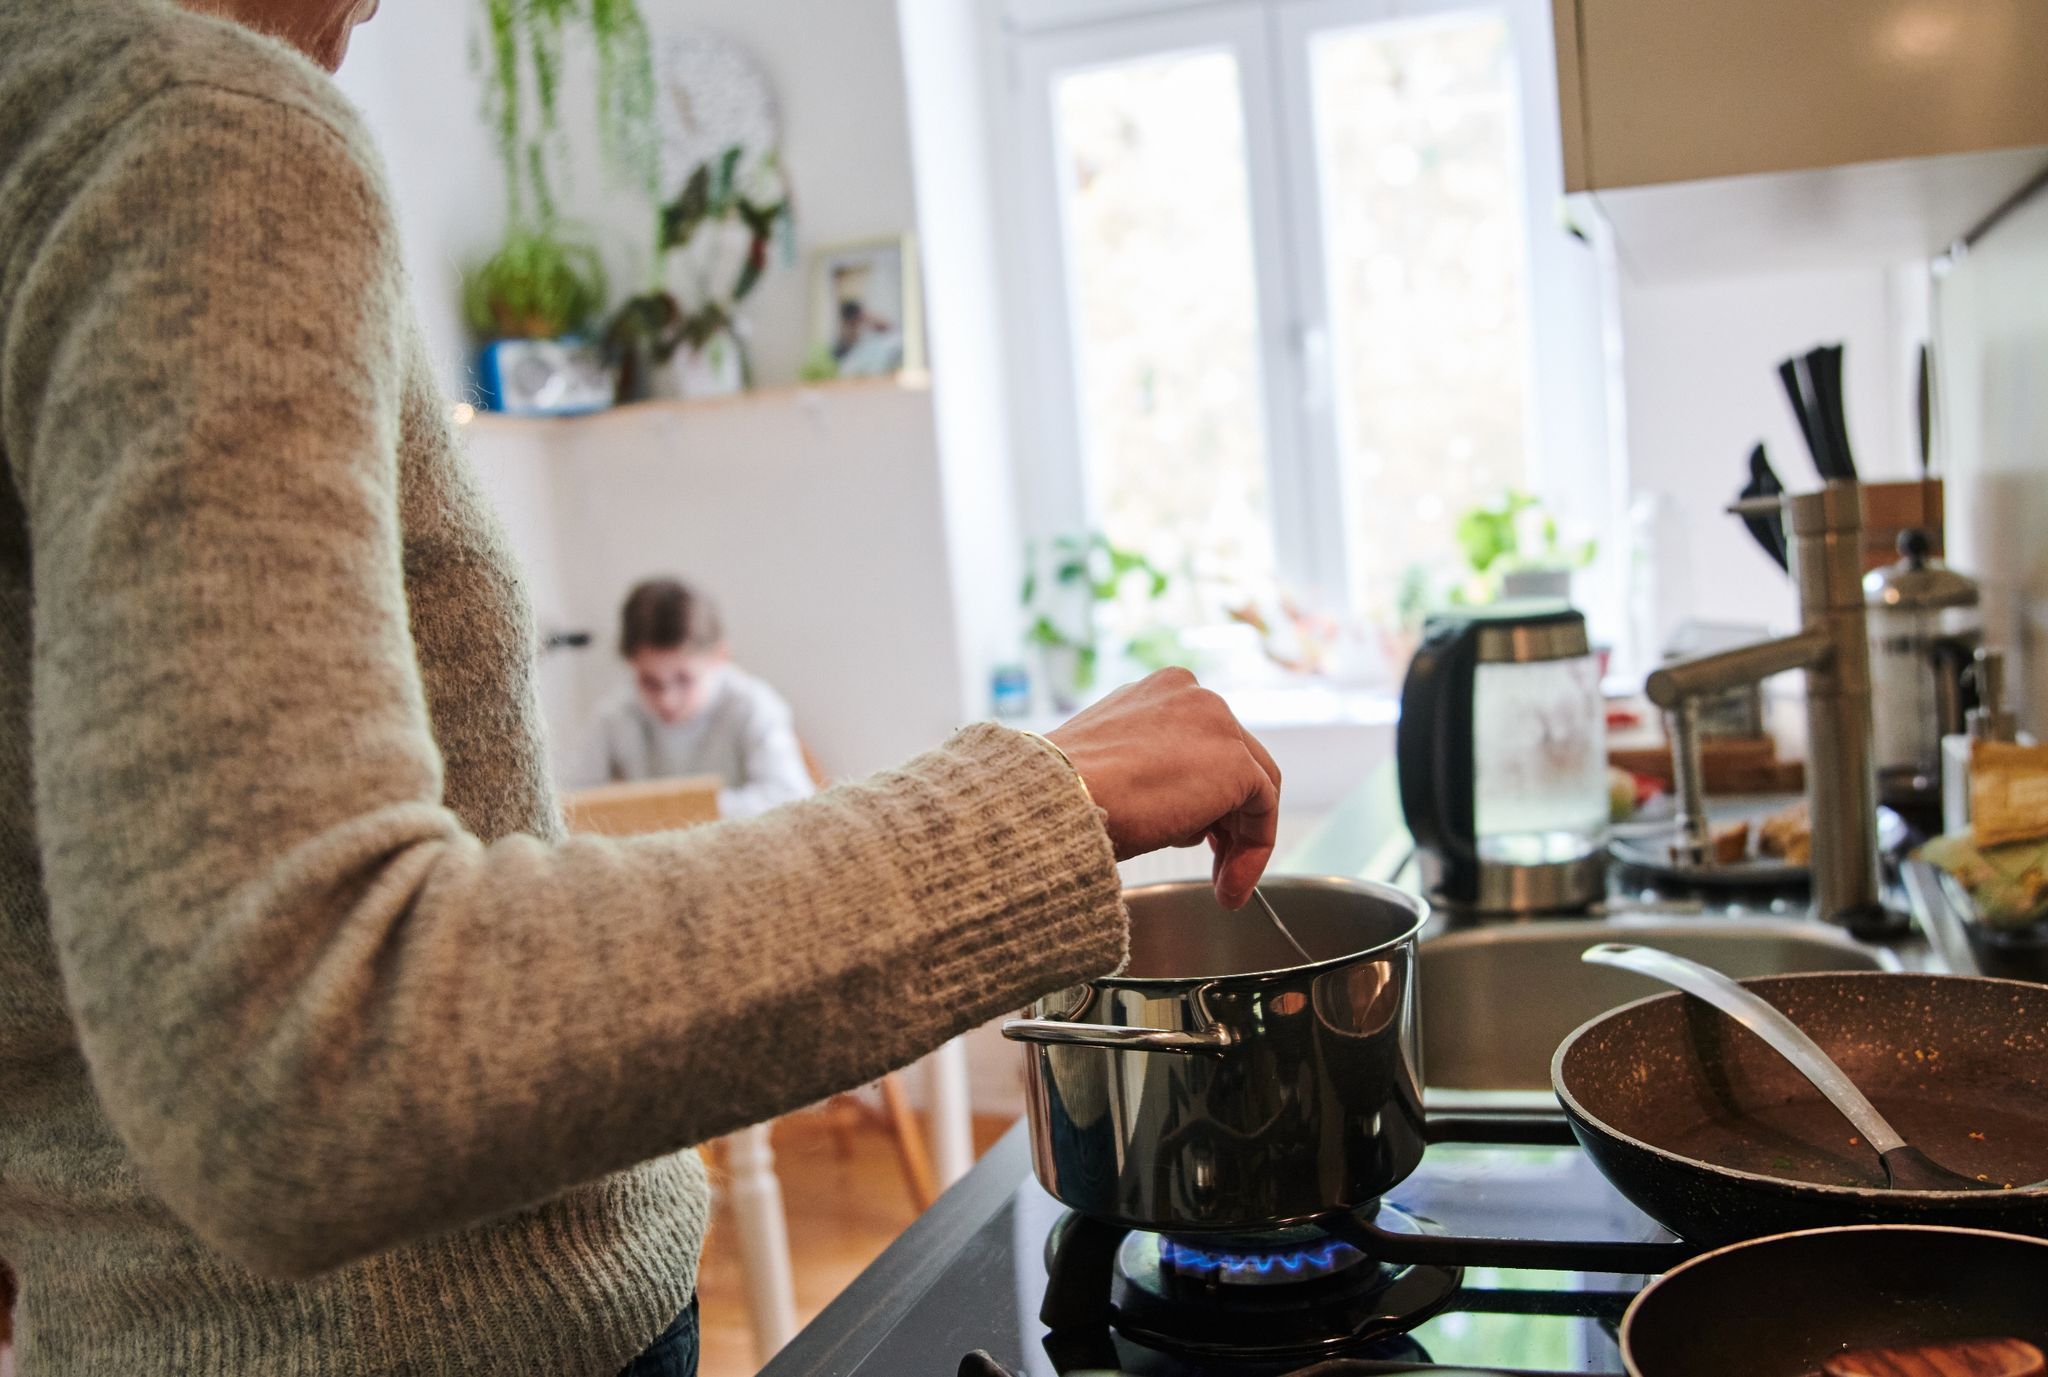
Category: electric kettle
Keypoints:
(1502, 755)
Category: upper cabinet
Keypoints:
(1679, 90)
(1875, 128)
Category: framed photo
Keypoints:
(866, 310)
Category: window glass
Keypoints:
(1164, 309)
(1418, 176)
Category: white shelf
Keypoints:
(803, 394)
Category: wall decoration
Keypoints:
(866, 312)
(711, 98)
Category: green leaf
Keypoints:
(1044, 633)
(1156, 648)
(1085, 667)
(1484, 536)
(687, 212)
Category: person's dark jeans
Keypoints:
(674, 1354)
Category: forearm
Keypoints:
(437, 1031)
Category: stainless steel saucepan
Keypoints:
(1219, 1083)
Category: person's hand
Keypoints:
(1169, 764)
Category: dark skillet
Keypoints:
(1780, 1307)
(1716, 1137)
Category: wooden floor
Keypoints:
(843, 1211)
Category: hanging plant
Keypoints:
(523, 61)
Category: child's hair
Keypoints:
(667, 614)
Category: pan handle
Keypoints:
(1198, 1042)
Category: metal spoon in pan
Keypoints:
(1906, 1167)
(1279, 926)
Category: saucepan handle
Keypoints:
(1203, 1042)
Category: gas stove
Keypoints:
(1505, 1252)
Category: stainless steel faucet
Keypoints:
(1832, 647)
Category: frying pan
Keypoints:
(1717, 1138)
(1778, 1307)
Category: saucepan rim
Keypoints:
(1576, 1109)
(1415, 905)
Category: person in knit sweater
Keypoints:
(323, 1050)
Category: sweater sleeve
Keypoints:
(324, 1017)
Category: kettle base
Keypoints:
(1501, 889)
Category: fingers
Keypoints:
(1244, 839)
(1261, 755)
(1237, 870)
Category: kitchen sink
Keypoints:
(1497, 1001)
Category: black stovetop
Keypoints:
(971, 1275)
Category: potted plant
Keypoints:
(714, 244)
(529, 304)
(1514, 550)
(1065, 603)
(540, 284)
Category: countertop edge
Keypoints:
(856, 1322)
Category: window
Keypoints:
(1422, 237)
(1280, 312)
(1159, 252)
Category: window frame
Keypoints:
(1569, 355)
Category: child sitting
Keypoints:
(692, 712)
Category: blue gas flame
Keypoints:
(1312, 1260)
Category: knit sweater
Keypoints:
(322, 1051)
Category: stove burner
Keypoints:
(1250, 1265)
(1294, 1293)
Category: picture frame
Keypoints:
(867, 310)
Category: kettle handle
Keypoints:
(1433, 741)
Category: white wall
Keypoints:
(837, 72)
(1991, 359)
(408, 71)
(1699, 365)
(944, 51)
(813, 518)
